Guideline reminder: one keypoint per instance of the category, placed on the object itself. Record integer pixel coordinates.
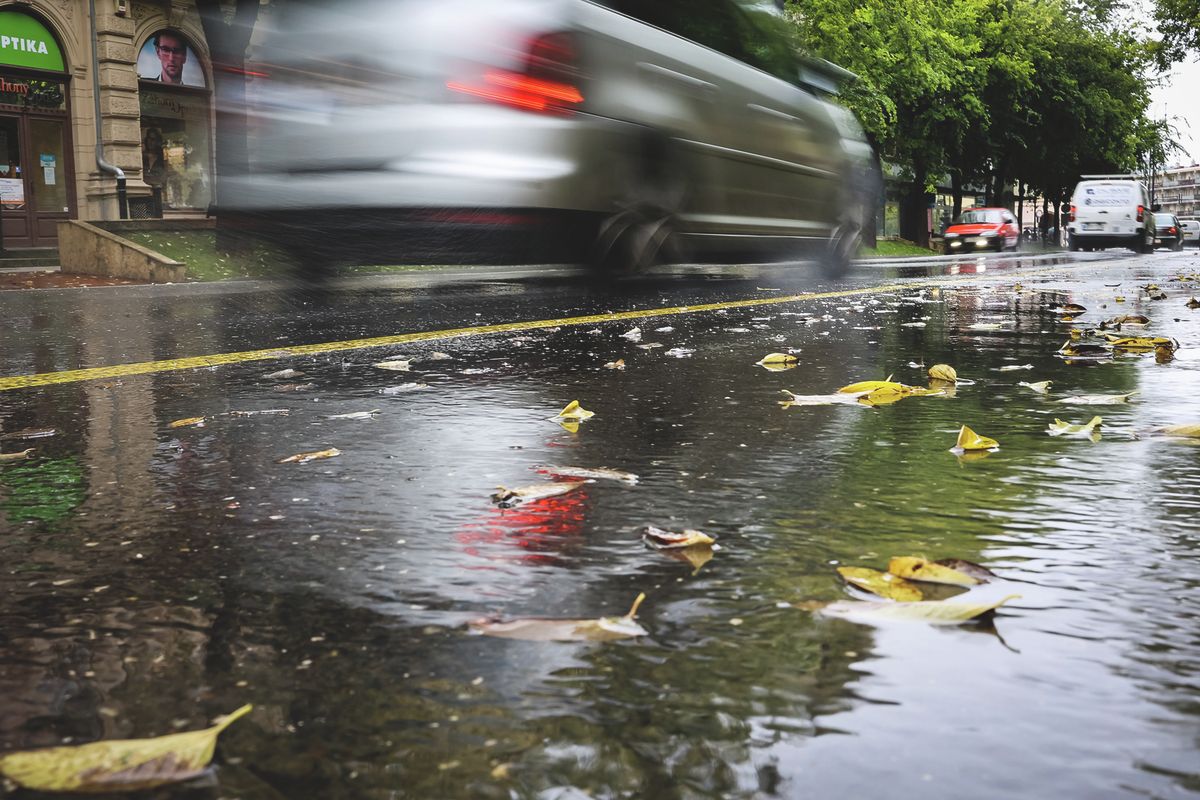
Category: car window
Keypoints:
(711, 23)
(978, 218)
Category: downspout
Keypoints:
(111, 169)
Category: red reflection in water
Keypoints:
(540, 530)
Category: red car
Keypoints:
(982, 229)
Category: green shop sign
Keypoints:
(25, 42)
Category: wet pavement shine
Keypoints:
(154, 577)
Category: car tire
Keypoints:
(946, 250)
(1178, 246)
(1072, 243)
(838, 254)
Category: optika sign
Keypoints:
(24, 45)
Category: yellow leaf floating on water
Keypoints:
(541, 629)
(1060, 428)
(933, 612)
(885, 395)
(119, 765)
(943, 372)
(507, 498)
(574, 411)
(696, 556)
(1190, 431)
(777, 360)
(316, 455)
(1139, 343)
(970, 440)
(660, 539)
(1041, 387)
(19, 456)
(884, 584)
(870, 386)
(920, 569)
(187, 422)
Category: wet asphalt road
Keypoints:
(156, 576)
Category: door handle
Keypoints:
(770, 112)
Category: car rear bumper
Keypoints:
(1087, 239)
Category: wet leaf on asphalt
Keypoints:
(943, 372)
(284, 374)
(649, 346)
(119, 765)
(618, 364)
(661, 539)
(574, 411)
(1191, 431)
(933, 612)
(507, 498)
(884, 584)
(1041, 387)
(541, 629)
(395, 365)
(374, 412)
(633, 335)
(1193, 303)
(915, 568)
(679, 352)
(10, 457)
(778, 361)
(1082, 430)
(269, 412)
(316, 455)
(970, 440)
(188, 422)
(1097, 399)
(293, 387)
(597, 473)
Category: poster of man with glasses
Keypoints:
(168, 58)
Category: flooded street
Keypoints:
(155, 577)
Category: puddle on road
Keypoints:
(156, 577)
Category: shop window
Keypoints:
(176, 122)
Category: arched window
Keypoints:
(176, 132)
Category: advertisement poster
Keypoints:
(12, 192)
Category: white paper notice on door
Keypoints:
(12, 192)
(48, 174)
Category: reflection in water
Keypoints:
(155, 578)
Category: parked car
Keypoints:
(1191, 231)
(617, 132)
(1167, 231)
(982, 229)
(1110, 211)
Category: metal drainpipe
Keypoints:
(111, 169)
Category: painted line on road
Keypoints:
(223, 359)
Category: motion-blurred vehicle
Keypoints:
(1168, 232)
(1191, 231)
(617, 132)
(1110, 211)
(982, 229)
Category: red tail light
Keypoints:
(546, 83)
(1141, 213)
(1170, 230)
(1071, 217)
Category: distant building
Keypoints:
(1177, 190)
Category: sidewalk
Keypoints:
(52, 278)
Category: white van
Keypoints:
(1110, 211)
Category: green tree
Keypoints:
(1179, 26)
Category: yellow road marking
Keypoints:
(222, 359)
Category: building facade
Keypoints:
(134, 78)
(1178, 191)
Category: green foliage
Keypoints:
(1179, 26)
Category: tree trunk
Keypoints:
(227, 41)
(956, 188)
(1021, 206)
(914, 224)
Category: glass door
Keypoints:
(47, 177)
(14, 210)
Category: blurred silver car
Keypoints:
(620, 133)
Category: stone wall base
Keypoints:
(86, 249)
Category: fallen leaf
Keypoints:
(777, 360)
(934, 612)
(1191, 431)
(977, 571)
(574, 411)
(1041, 387)
(970, 440)
(884, 584)
(660, 539)
(915, 568)
(1067, 308)
(837, 398)
(1014, 367)
(507, 498)
(634, 335)
(293, 387)
(374, 412)
(395, 365)
(618, 364)
(1130, 319)
(541, 629)
(440, 356)
(188, 422)
(316, 455)
(284, 373)
(21, 456)
(1097, 399)
(1140, 343)
(404, 388)
(1060, 428)
(118, 765)
(1193, 303)
(649, 346)
(277, 412)
(599, 473)
(679, 352)
(943, 372)
(30, 433)
(696, 556)
(870, 386)
(985, 326)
